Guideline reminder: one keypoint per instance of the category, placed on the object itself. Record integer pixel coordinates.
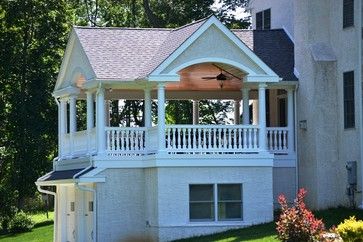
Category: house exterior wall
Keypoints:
(282, 13)
(325, 146)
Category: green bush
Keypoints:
(21, 222)
(351, 230)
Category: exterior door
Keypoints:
(71, 230)
(89, 210)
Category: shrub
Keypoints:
(351, 230)
(20, 223)
(297, 223)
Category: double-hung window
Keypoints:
(208, 202)
(263, 19)
(349, 106)
(348, 13)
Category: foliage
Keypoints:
(297, 223)
(351, 230)
(34, 204)
(21, 222)
(41, 234)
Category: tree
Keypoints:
(33, 37)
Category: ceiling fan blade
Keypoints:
(227, 72)
(209, 78)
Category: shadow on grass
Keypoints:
(262, 232)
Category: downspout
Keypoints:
(92, 190)
(41, 190)
(360, 95)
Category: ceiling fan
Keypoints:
(220, 77)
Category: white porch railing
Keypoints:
(211, 138)
(125, 140)
(79, 143)
(277, 139)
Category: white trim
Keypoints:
(296, 72)
(213, 21)
(216, 60)
(67, 91)
(288, 34)
(261, 78)
(164, 78)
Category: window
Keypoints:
(263, 19)
(90, 206)
(204, 203)
(229, 201)
(348, 13)
(201, 202)
(349, 109)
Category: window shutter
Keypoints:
(349, 106)
(259, 20)
(267, 19)
(348, 13)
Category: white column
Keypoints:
(262, 115)
(100, 121)
(290, 120)
(246, 106)
(90, 119)
(62, 124)
(161, 116)
(147, 108)
(72, 121)
(255, 112)
(195, 112)
(107, 113)
(237, 106)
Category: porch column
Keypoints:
(255, 109)
(195, 112)
(262, 115)
(246, 106)
(90, 119)
(237, 106)
(161, 116)
(290, 120)
(62, 124)
(100, 121)
(72, 121)
(147, 108)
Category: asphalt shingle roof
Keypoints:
(132, 53)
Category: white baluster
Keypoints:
(112, 146)
(127, 136)
(179, 138)
(275, 140)
(189, 145)
(214, 138)
(194, 138)
(280, 141)
(108, 140)
(199, 137)
(174, 139)
(204, 143)
(234, 138)
(284, 140)
(269, 132)
(118, 140)
(254, 138)
(229, 139)
(184, 140)
(250, 144)
(224, 138)
(239, 138)
(210, 138)
(244, 145)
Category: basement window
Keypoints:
(348, 13)
(229, 201)
(349, 106)
(201, 202)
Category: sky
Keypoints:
(239, 13)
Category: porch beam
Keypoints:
(100, 121)
(290, 120)
(195, 112)
(237, 106)
(161, 116)
(262, 116)
(147, 107)
(246, 106)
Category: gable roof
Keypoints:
(133, 53)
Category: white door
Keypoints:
(71, 207)
(89, 210)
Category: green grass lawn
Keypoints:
(43, 232)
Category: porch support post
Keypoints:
(237, 106)
(100, 121)
(147, 108)
(246, 106)
(90, 119)
(262, 115)
(72, 121)
(255, 109)
(62, 124)
(195, 112)
(290, 120)
(161, 116)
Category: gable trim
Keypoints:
(214, 21)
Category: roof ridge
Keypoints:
(122, 28)
(193, 23)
